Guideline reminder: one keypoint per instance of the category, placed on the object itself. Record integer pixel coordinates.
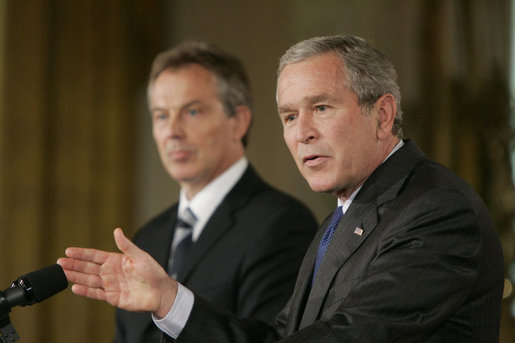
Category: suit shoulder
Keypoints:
(432, 176)
(438, 192)
(272, 199)
(156, 224)
(271, 213)
(259, 196)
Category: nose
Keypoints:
(175, 127)
(305, 128)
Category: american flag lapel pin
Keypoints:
(358, 231)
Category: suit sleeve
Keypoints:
(421, 272)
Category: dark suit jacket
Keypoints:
(246, 259)
(428, 267)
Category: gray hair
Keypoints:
(233, 85)
(369, 73)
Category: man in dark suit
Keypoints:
(409, 255)
(247, 239)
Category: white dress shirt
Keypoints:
(205, 202)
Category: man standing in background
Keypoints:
(232, 238)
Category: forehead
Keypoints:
(323, 65)
(320, 75)
(190, 78)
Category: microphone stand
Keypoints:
(7, 331)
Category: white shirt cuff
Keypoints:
(173, 323)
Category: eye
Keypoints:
(192, 112)
(160, 116)
(289, 118)
(321, 108)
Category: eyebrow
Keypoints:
(192, 102)
(309, 100)
(318, 98)
(186, 105)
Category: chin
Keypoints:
(320, 188)
(182, 175)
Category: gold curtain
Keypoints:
(67, 126)
(71, 78)
(461, 115)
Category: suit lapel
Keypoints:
(161, 247)
(303, 283)
(360, 220)
(221, 222)
(361, 216)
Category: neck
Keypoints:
(192, 188)
(385, 151)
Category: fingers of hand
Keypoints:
(92, 255)
(80, 266)
(89, 280)
(81, 272)
(94, 293)
(127, 247)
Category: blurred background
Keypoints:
(77, 157)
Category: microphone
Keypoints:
(33, 287)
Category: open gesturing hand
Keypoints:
(131, 280)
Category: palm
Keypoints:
(130, 284)
(133, 281)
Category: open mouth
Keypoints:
(314, 160)
(310, 158)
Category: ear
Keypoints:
(386, 108)
(240, 122)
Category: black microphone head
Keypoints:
(45, 282)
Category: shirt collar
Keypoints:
(205, 202)
(397, 147)
(345, 204)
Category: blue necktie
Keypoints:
(326, 239)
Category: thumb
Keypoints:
(125, 245)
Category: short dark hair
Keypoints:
(369, 73)
(233, 85)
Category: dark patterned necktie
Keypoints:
(326, 239)
(183, 235)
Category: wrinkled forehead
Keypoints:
(313, 76)
(319, 64)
